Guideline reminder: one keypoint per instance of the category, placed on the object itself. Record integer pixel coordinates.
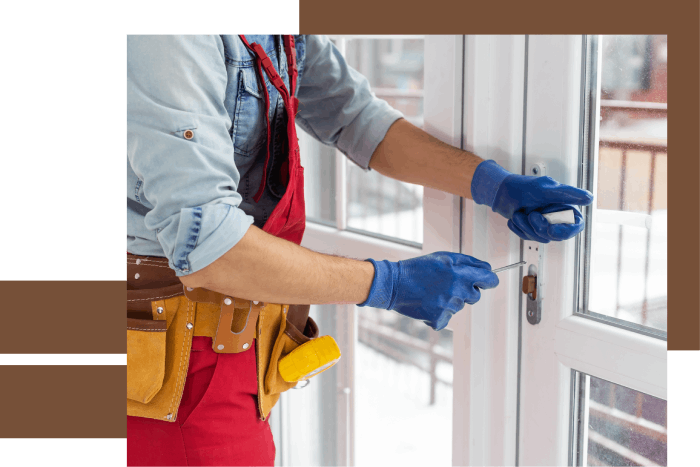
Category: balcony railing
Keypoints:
(633, 148)
(402, 347)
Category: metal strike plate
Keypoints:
(534, 255)
(533, 294)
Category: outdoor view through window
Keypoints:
(629, 238)
(627, 276)
(378, 204)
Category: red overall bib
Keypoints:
(218, 421)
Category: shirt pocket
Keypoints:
(249, 131)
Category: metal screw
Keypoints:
(190, 325)
(535, 170)
(138, 261)
(220, 347)
(246, 345)
(137, 275)
(159, 310)
(227, 301)
(529, 313)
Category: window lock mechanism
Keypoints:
(534, 306)
(530, 286)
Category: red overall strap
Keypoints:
(291, 53)
(263, 62)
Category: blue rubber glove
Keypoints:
(523, 199)
(430, 288)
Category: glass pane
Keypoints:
(628, 270)
(403, 400)
(625, 427)
(377, 204)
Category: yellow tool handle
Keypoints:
(309, 359)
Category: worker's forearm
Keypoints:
(266, 268)
(409, 154)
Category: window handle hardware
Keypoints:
(534, 306)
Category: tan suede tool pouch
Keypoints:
(159, 334)
(145, 358)
(287, 338)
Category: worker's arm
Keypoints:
(337, 108)
(183, 175)
(411, 155)
(266, 268)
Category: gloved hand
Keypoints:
(523, 199)
(430, 288)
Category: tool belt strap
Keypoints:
(231, 323)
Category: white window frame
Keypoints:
(563, 341)
(441, 224)
(486, 334)
(513, 405)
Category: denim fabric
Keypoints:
(191, 200)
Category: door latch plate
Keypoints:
(533, 283)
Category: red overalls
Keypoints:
(218, 421)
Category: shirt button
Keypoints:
(189, 134)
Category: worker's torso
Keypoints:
(245, 103)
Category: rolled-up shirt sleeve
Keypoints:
(179, 147)
(336, 105)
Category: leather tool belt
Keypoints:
(162, 318)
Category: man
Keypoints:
(215, 187)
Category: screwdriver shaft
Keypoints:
(510, 266)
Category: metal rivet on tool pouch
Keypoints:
(227, 301)
(190, 325)
(159, 310)
(169, 416)
(138, 261)
(220, 347)
(137, 275)
(190, 289)
(245, 346)
(255, 302)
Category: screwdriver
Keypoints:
(559, 217)
(510, 266)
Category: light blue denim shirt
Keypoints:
(190, 200)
